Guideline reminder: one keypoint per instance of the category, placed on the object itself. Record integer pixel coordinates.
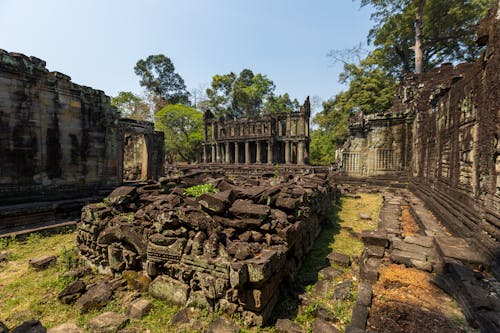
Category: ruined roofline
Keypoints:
(15, 62)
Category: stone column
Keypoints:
(247, 152)
(213, 153)
(204, 153)
(226, 150)
(300, 153)
(257, 158)
(217, 152)
(269, 153)
(236, 153)
(287, 152)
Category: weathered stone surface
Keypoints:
(96, 297)
(321, 326)
(359, 316)
(339, 259)
(321, 288)
(65, 328)
(329, 273)
(342, 291)
(375, 251)
(458, 248)
(72, 292)
(30, 326)
(408, 247)
(425, 241)
(377, 238)
(139, 308)
(222, 325)
(364, 294)
(108, 322)
(404, 257)
(43, 261)
(212, 202)
(287, 326)
(247, 209)
(122, 195)
(170, 290)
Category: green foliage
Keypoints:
(131, 106)
(246, 95)
(183, 128)
(158, 76)
(197, 190)
(447, 31)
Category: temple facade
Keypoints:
(281, 138)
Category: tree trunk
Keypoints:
(419, 54)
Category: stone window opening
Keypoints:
(385, 159)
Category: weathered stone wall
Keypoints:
(56, 136)
(228, 251)
(456, 149)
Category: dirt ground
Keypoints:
(406, 301)
(408, 223)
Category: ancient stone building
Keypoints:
(444, 133)
(281, 138)
(62, 140)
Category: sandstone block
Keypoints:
(287, 326)
(96, 297)
(322, 326)
(139, 308)
(66, 328)
(43, 261)
(71, 293)
(377, 238)
(222, 325)
(339, 259)
(108, 322)
(170, 290)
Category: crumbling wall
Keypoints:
(456, 149)
(228, 251)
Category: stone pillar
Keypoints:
(228, 158)
(204, 153)
(257, 158)
(213, 154)
(300, 153)
(236, 153)
(247, 152)
(287, 152)
(269, 153)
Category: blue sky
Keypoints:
(97, 43)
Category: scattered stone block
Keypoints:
(375, 251)
(139, 308)
(184, 317)
(72, 292)
(342, 291)
(108, 322)
(43, 261)
(359, 316)
(287, 326)
(96, 297)
(170, 290)
(321, 326)
(339, 259)
(122, 195)
(377, 238)
(321, 288)
(329, 273)
(30, 326)
(364, 294)
(78, 272)
(405, 257)
(324, 314)
(365, 216)
(222, 325)
(66, 328)
(368, 270)
(425, 241)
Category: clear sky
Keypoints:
(97, 43)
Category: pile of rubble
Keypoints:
(230, 250)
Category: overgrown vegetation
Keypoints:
(197, 190)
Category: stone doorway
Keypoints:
(135, 157)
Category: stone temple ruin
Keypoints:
(62, 141)
(229, 251)
(281, 138)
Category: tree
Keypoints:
(437, 31)
(281, 103)
(131, 106)
(160, 80)
(183, 129)
(243, 95)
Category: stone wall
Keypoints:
(227, 251)
(55, 136)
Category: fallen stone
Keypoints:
(421, 265)
(122, 195)
(184, 317)
(96, 297)
(339, 259)
(324, 314)
(425, 241)
(405, 257)
(72, 292)
(321, 288)
(287, 326)
(170, 290)
(329, 273)
(359, 316)
(375, 251)
(211, 202)
(377, 238)
(368, 269)
(43, 261)
(108, 322)
(78, 272)
(222, 325)
(409, 247)
(30, 326)
(247, 209)
(65, 328)
(365, 216)
(364, 294)
(342, 291)
(139, 308)
(322, 326)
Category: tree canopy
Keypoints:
(183, 129)
(160, 80)
(131, 106)
(246, 95)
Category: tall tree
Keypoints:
(131, 106)
(183, 128)
(437, 31)
(242, 95)
(160, 80)
(281, 103)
